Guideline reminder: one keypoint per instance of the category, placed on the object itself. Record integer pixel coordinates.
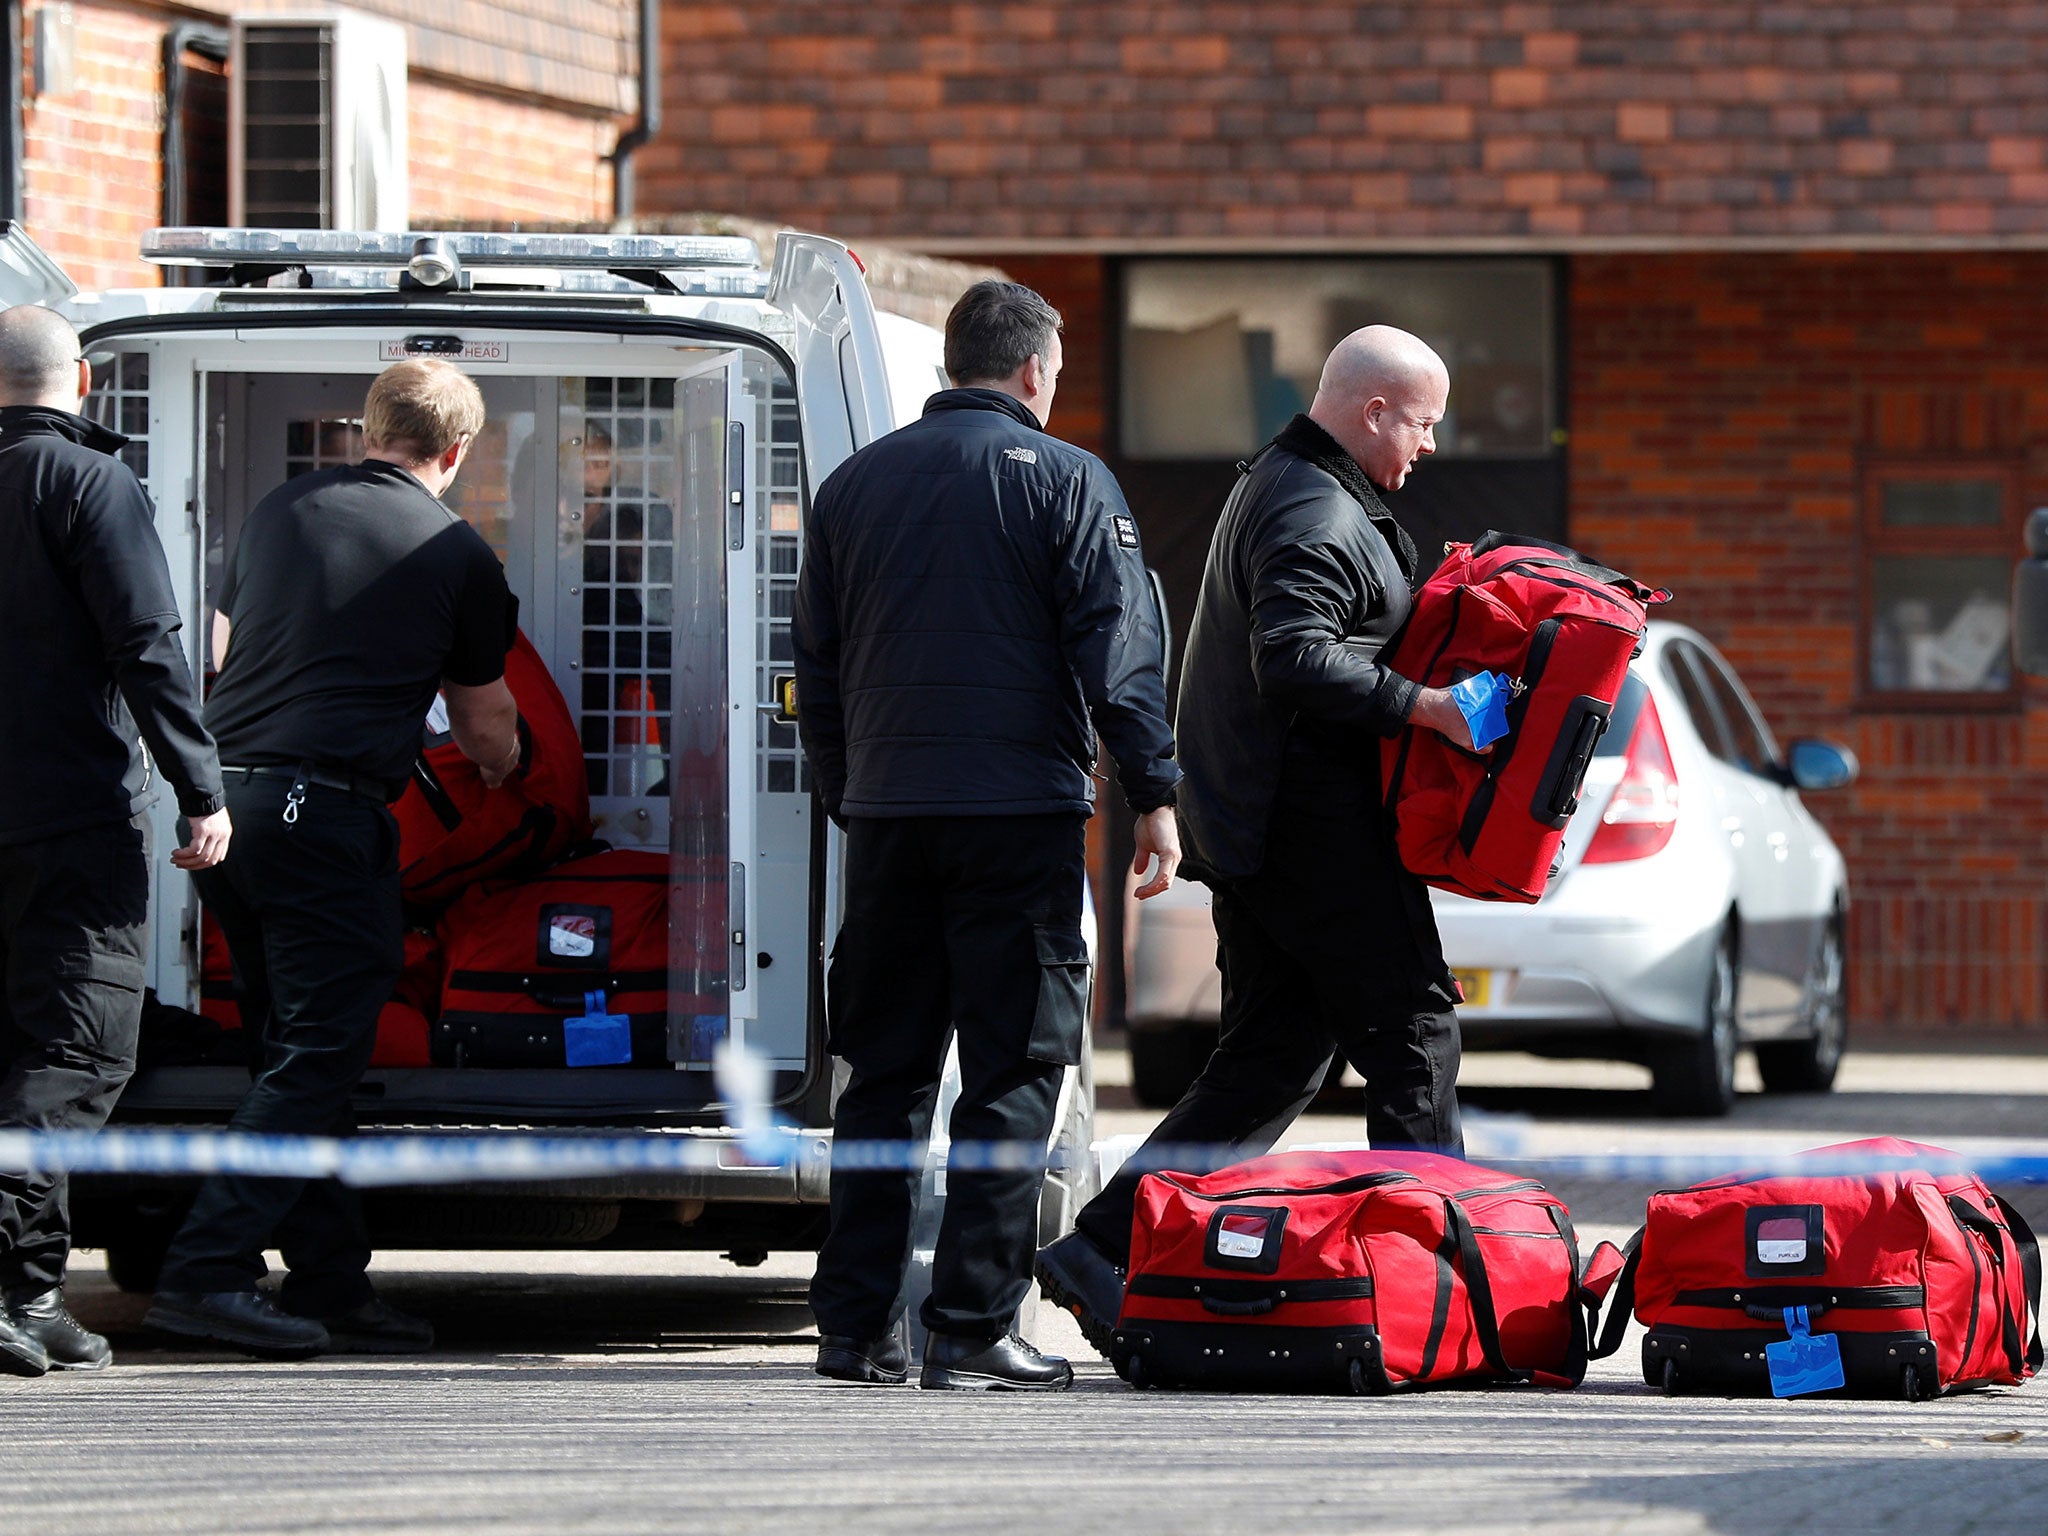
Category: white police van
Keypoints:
(651, 369)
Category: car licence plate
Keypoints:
(1474, 984)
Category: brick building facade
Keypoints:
(1775, 280)
(512, 107)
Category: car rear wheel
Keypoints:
(1167, 1058)
(1808, 1065)
(1696, 1075)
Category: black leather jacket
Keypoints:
(1308, 578)
(972, 596)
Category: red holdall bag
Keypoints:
(1895, 1283)
(1350, 1271)
(453, 832)
(569, 968)
(1491, 824)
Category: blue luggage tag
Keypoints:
(1806, 1362)
(597, 1039)
(1483, 699)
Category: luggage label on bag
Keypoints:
(1246, 1237)
(575, 935)
(597, 1039)
(1784, 1240)
(1805, 1362)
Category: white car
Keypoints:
(1699, 908)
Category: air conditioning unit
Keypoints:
(316, 122)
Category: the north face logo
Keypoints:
(1021, 455)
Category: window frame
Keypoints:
(1876, 540)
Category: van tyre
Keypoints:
(1696, 1075)
(136, 1258)
(1809, 1065)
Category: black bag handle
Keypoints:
(1485, 1321)
(1621, 1301)
(2030, 1270)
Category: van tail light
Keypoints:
(1641, 817)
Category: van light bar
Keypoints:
(202, 247)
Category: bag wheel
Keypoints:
(1134, 1373)
(1910, 1380)
(1671, 1378)
(1356, 1374)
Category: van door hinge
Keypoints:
(736, 900)
(736, 486)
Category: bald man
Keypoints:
(89, 628)
(1328, 947)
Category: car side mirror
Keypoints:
(2030, 600)
(1811, 763)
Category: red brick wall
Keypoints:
(93, 180)
(1005, 121)
(1721, 406)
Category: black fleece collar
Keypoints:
(31, 420)
(1306, 439)
(983, 400)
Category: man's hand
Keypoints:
(209, 844)
(495, 774)
(1436, 709)
(1158, 836)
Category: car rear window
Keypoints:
(1622, 723)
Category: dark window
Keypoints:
(1749, 739)
(1218, 354)
(1939, 542)
(1692, 693)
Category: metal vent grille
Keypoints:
(287, 90)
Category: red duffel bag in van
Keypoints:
(453, 832)
(1563, 629)
(1350, 1271)
(1898, 1283)
(569, 968)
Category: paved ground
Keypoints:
(645, 1393)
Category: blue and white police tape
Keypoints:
(452, 1158)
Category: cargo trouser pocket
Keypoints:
(1062, 1007)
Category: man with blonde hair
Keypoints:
(352, 596)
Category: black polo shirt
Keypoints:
(352, 593)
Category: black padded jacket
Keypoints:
(1308, 579)
(91, 623)
(972, 596)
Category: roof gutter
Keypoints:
(647, 125)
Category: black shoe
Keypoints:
(69, 1344)
(21, 1352)
(954, 1363)
(1080, 1278)
(377, 1328)
(246, 1320)
(883, 1362)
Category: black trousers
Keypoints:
(312, 917)
(967, 926)
(1331, 948)
(74, 924)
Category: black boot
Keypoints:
(1080, 1278)
(955, 1363)
(68, 1343)
(21, 1354)
(246, 1320)
(377, 1328)
(883, 1362)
